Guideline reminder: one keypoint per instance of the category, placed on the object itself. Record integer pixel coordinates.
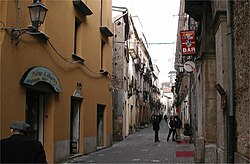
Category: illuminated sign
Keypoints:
(188, 42)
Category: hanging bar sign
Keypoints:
(188, 42)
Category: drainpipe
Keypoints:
(230, 105)
(101, 14)
(120, 9)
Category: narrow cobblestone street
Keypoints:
(140, 147)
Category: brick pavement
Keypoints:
(140, 147)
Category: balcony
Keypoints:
(106, 32)
(133, 50)
(194, 9)
(145, 95)
(137, 63)
(82, 7)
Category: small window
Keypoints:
(102, 53)
(77, 37)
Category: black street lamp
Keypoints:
(37, 12)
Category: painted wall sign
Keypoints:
(188, 42)
(41, 74)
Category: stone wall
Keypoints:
(222, 79)
(241, 33)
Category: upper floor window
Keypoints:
(78, 37)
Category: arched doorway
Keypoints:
(40, 83)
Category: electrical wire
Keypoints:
(78, 61)
(91, 70)
(65, 59)
(2, 23)
(153, 43)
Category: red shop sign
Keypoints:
(188, 42)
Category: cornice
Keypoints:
(219, 16)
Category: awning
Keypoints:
(194, 9)
(41, 74)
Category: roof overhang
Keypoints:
(194, 9)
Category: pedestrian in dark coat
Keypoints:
(171, 126)
(156, 126)
(166, 118)
(19, 148)
(178, 124)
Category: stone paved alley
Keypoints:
(140, 147)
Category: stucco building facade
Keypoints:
(59, 81)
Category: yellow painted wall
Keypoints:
(31, 51)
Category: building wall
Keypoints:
(217, 28)
(221, 77)
(241, 47)
(32, 51)
(119, 73)
(241, 33)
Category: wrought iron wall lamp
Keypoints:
(37, 11)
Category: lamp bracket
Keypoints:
(223, 94)
(104, 72)
(16, 33)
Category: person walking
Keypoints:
(171, 126)
(156, 126)
(178, 125)
(19, 148)
(166, 118)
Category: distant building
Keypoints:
(136, 91)
(120, 69)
